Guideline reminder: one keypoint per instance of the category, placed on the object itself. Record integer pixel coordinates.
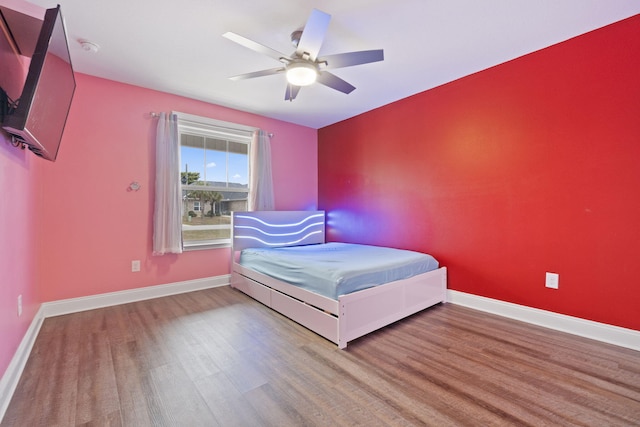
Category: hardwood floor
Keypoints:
(216, 357)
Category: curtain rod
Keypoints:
(156, 115)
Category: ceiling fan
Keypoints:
(303, 67)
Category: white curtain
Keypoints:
(167, 215)
(260, 178)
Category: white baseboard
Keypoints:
(9, 380)
(616, 335)
(74, 305)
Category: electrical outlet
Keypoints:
(135, 266)
(19, 305)
(552, 280)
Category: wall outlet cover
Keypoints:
(552, 280)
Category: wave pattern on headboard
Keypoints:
(277, 228)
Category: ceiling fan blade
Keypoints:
(313, 34)
(291, 92)
(335, 82)
(257, 74)
(349, 59)
(250, 44)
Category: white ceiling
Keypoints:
(177, 46)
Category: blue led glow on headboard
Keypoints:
(277, 228)
(286, 224)
(293, 233)
(288, 243)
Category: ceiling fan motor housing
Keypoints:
(295, 38)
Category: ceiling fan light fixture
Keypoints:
(301, 73)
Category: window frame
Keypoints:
(208, 127)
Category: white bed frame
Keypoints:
(352, 315)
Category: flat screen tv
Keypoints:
(41, 112)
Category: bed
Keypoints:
(360, 301)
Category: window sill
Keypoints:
(199, 246)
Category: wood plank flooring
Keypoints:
(218, 358)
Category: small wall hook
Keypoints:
(134, 186)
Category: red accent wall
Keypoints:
(527, 167)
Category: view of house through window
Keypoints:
(215, 180)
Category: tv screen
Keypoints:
(41, 112)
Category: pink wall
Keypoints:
(527, 167)
(19, 197)
(71, 228)
(93, 227)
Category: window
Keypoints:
(214, 172)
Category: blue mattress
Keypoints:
(334, 269)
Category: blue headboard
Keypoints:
(259, 229)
